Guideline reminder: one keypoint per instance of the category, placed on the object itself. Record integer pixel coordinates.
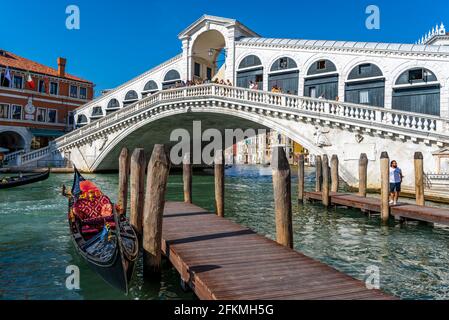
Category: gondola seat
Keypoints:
(92, 207)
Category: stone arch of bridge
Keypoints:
(156, 129)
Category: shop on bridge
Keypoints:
(321, 80)
(130, 97)
(366, 85)
(149, 89)
(81, 121)
(284, 74)
(97, 113)
(417, 90)
(113, 105)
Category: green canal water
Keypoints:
(35, 247)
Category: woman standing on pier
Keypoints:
(395, 182)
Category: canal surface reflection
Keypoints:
(35, 246)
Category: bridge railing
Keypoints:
(332, 109)
(35, 155)
(12, 157)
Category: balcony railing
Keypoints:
(12, 157)
(37, 154)
(342, 112)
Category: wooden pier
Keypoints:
(401, 211)
(220, 259)
(217, 258)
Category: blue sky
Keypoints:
(121, 39)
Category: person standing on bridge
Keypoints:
(395, 182)
(251, 85)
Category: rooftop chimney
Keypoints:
(61, 67)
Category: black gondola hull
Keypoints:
(112, 274)
(28, 179)
(112, 252)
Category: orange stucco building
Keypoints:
(32, 113)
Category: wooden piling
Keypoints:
(219, 182)
(318, 173)
(325, 187)
(385, 186)
(157, 177)
(187, 178)
(334, 173)
(123, 177)
(419, 178)
(282, 197)
(363, 174)
(301, 178)
(137, 181)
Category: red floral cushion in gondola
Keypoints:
(93, 206)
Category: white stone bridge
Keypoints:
(321, 126)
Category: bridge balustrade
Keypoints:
(334, 109)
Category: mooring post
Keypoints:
(325, 187)
(334, 173)
(123, 176)
(363, 174)
(138, 162)
(318, 173)
(282, 197)
(384, 186)
(219, 182)
(419, 179)
(301, 178)
(187, 178)
(157, 177)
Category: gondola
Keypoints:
(11, 182)
(104, 239)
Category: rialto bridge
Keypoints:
(337, 97)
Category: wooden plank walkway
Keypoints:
(400, 211)
(220, 259)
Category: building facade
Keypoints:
(37, 102)
(257, 149)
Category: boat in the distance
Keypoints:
(102, 235)
(21, 180)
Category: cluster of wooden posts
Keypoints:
(147, 199)
(325, 174)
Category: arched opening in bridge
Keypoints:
(250, 70)
(12, 141)
(97, 113)
(417, 90)
(149, 88)
(171, 78)
(209, 56)
(113, 105)
(81, 120)
(321, 80)
(130, 97)
(366, 85)
(284, 74)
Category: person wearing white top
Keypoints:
(395, 182)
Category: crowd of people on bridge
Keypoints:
(199, 81)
